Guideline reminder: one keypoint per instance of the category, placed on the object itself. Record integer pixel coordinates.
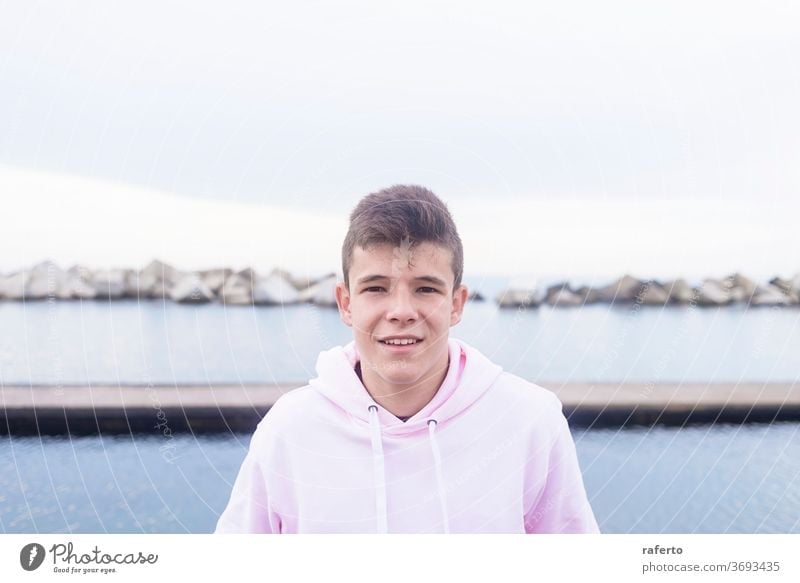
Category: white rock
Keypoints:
(520, 297)
(77, 289)
(476, 296)
(162, 270)
(191, 289)
(624, 289)
(49, 280)
(77, 284)
(110, 283)
(587, 294)
(652, 293)
(80, 271)
(248, 274)
(215, 278)
(741, 288)
(794, 289)
(562, 296)
(713, 293)
(298, 283)
(12, 286)
(238, 290)
(680, 291)
(770, 295)
(274, 289)
(46, 280)
(321, 293)
(155, 280)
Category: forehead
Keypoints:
(397, 260)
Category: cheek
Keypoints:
(444, 312)
(365, 316)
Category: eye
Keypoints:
(429, 290)
(373, 288)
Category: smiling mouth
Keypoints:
(400, 341)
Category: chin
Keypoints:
(401, 379)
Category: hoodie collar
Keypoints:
(469, 375)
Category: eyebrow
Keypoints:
(425, 278)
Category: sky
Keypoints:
(103, 224)
(656, 137)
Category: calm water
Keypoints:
(129, 342)
(720, 479)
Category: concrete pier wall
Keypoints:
(81, 410)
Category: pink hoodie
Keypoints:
(491, 452)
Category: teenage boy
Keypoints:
(406, 430)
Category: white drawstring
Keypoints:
(378, 469)
(437, 458)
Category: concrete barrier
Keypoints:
(83, 410)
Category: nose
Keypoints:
(401, 307)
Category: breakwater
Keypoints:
(159, 280)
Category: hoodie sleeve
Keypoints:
(561, 505)
(249, 509)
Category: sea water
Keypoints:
(131, 342)
(714, 479)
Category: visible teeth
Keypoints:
(400, 341)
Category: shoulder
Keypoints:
(289, 410)
(528, 394)
(527, 405)
(294, 401)
(505, 387)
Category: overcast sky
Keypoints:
(309, 105)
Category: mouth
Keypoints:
(400, 343)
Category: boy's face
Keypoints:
(401, 292)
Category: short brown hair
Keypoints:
(403, 212)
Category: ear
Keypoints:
(343, 302)
(459, 301)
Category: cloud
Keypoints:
(72, 219)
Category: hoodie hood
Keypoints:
(469, 376)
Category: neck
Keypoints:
(404, 400)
